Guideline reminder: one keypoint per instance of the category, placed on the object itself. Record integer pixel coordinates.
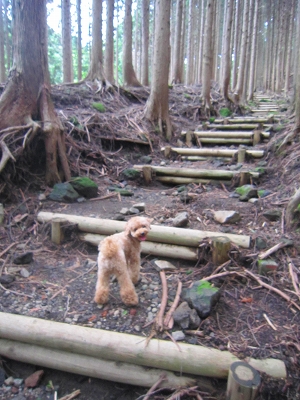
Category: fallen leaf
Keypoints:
(92, 318)
(246, 299)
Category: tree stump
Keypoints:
(220, 248)
(243, 381)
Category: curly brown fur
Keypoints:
(119, 255)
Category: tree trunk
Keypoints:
(67, 41)
(79, 44)
(207, 58)
(96, 72)
(109, 42)
(226, 56)
(253, 53)
(238, 95)
(26, 98)
(2, 58)
(145, 45)
(177, 75)
(129, 75)
(157, 107)
(292, 208)
(289, 49)
(235, 43)
(190, 54)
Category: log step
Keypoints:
(209, 152)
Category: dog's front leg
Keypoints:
(102, 287)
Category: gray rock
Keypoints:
(260, 243)
(195, 320)
(131, 173)
(25, 273)
(178, 335)
(9, 381)
(24, 258)
(185, 197)
(226, 217)
(181, 219)
(202, 297)
(272, 215)
(146, 159)
(246, 192)
(64, 192)
(6, 280)
(182, 315)
(163, 265)
(139, 206)
(133, 211)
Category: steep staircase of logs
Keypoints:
(235, 140)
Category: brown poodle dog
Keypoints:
(119, 255)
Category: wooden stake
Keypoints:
(57, 234)
(168, 151)
(243, 382)
(256, 137)
(244, 178)
(241, 155)
(220, 248)
(147, 174)
(189, 138)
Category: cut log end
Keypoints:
(243, 381)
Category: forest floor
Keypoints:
(61, 280)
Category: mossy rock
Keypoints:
(85, 186)
(64, 192)
(131, 173)
(246, 191)
(99, 107)
(225, 112)
(123, 192)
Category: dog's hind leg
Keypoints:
(127, 291)
(102, 287)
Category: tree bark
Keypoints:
(177, 74)
(145, 40)
(292, 208)
(67, 41)
(26, 98)
(109, 42)
(226, 56)
(79, 44)
(207, 56)
(253, 53)
(2, 58)
(96, 72)
(157, 107)
(129, 75)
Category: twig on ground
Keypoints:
(271, 288)
(71, 395)
(273, 249)
(164, 298)
(173, 340)
(162, 377)
(294, 276)
(168, 317)
(269, 322)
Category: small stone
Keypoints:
(163, 265)
(133, 211)
(18, 382)
(260, 243)
(9, 381)
(253, 200)
(139, 206)
(137, 328)
(124, 211)
(227, 217)
(24, 258)
(272, 215)
(181, 220)
(25, 273)
(7, 279)
(178, 335)
(267, 266)
(146, 160)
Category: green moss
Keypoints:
(212, 120)
(225, 112)
(99, 107)
(203, 285)
(74, 120)
(187, 96)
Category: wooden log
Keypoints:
(246, 120)
(230, 127)
(220, 249)
(224, 134)
(115, 346)
(226, 141)
(214, 152)
(152, 248)
(56, 231)
(243, 382)
(90, 366)
(158, 233)
(181, 180)
(197, 173)
(147, 174)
